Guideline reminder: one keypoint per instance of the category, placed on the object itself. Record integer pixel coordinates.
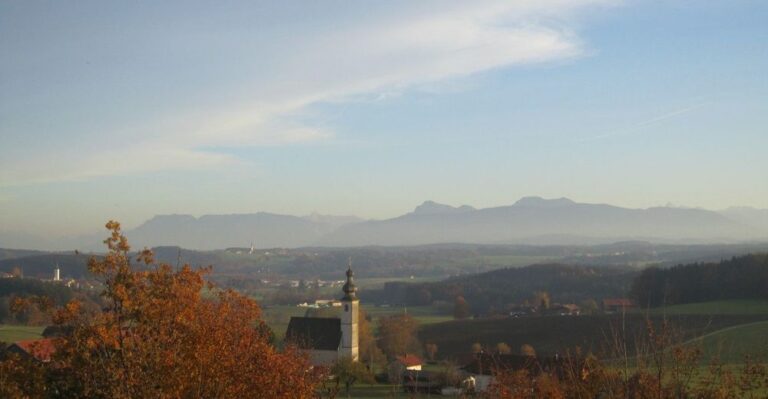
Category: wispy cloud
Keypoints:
(374, 57)
(637, 127)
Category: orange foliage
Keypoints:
(159, 337)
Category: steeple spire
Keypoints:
(350, 291)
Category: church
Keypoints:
(327, 339)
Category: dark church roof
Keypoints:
(315, 333)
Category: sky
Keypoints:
(128, 109)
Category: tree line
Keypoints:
(742, 277)
(495, 291)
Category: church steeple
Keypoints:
(350, 290)
(349, 318)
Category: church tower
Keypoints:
(349, 318)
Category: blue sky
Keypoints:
(129, 109)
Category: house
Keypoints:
(567, 309)
(325, 340)
(613, 305)
(402, 367)
(38, 349)
(57, 331)
(409, 361)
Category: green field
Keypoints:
(733, 344)
(378, 282)
(13, 333)
(734, 307)
(425, 315)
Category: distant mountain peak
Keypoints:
(432, 207)
(541, 202)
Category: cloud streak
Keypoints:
(635, 128)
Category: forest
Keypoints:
(741, 277)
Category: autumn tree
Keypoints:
(476, 348)
(349, 372)
(158, 337)
(527, 350)
(503, 348)
(460, 308)
(370, 353)
(431, 350)
(397, 335)
(541, 300)
(588, 306)
(20, 377)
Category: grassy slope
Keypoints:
(733, 344)
(743, 307)
(13, 333)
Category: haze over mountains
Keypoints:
(531, 220)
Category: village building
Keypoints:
(613, 305)
(40, 350)
(409, 362)
(327, 339)
(406, 367)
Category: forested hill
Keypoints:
(743, 277)
(497, 289)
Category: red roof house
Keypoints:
(617, 304)
(39, 349)
(410, 362)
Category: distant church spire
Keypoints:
(349, 318)
(350, 291)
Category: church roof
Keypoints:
(317, 333)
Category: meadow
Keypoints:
(733, 307)
(11, 333)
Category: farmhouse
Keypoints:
(612, 305)
(38, 349)
(409, 362)
(326, 340)
(402, 367)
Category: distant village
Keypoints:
(56, 278)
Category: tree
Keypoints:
(397, 335)
(588, 306)
(370, 353)
(159, 337)
(503, 348)
(431, 350)
(349, 372)
(541, 300)
(476, 348)
(460, 308)
(527, 350)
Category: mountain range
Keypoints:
(531, 220)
